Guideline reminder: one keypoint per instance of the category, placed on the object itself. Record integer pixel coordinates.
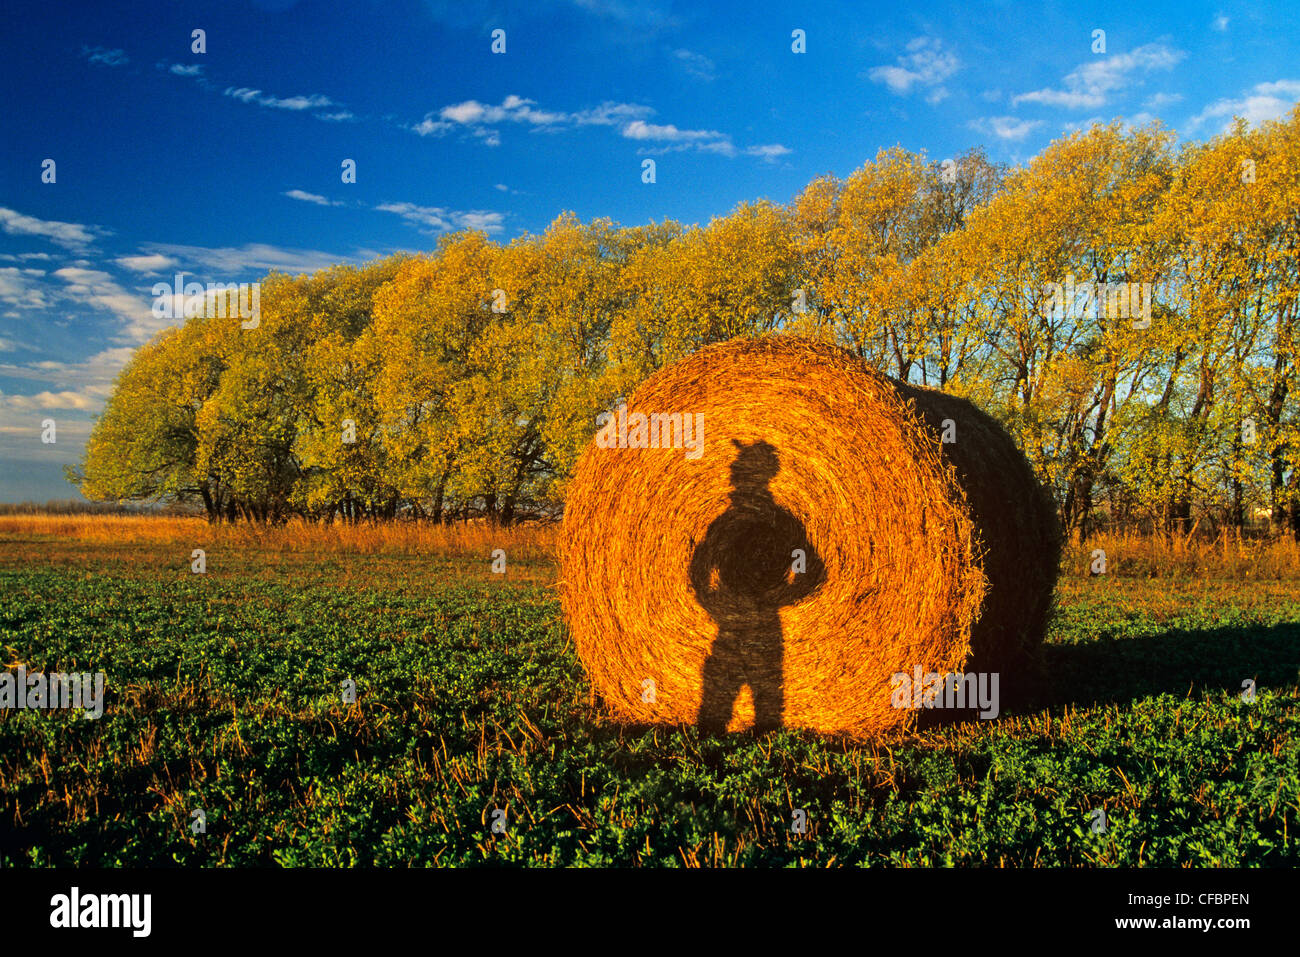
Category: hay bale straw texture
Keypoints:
(681, 576)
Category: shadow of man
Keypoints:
(743, 572)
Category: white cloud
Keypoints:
(1006, 127)
(1288, 88)
(92, 376)
(19, 290)
(640, 130)
(1162, 99)
(472, 113)
(768, 152)
(105, 56)
(1220, 23)
(488, 222)
(1263, 102)
(312, 198)
(310, 102)
(610, 113)
(696, 64)
(98, 290)
(51, 401)
(227, 263)
(81, 288)
(431, 127)
(926, 64)
(482, 120)
(431, 220)
(1080, 125)
(517, 109)
(1091, 84)
(69, 235)
(149, 265)
(640, 16)
(314, 101)
(706, 141)
(74, 390)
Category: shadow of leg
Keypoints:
(765, 673)
(723, 678)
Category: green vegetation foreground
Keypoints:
(223, 694)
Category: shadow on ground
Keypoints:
(1179, 661)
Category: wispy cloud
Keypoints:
(480, 118)
(1220, 23)
(1008, 128)
(92, 376)
(72, 388)
(1162, 99)
(610, 113)
(477, 118)
(1090, 85)
(69, 235)
(696, 64)
(925, 65)
(228, 263)
(105, 56)
(318, 105)
(640, 130)
(769, 152)
(312, 198)
(483, 121)
(50, 401)
(667, 138)
(311, 102)
(432, 220)
(1259, 104)
(640, 15)
(96, 289)
(21, 289)
(148, 265)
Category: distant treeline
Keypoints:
(73, 506)
(1127, 306)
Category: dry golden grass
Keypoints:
(526, 542)
(1130, 555)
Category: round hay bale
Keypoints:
(799, 535)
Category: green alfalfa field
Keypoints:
(223, 695)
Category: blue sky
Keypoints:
(227, 163)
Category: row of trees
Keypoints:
(467, 381)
